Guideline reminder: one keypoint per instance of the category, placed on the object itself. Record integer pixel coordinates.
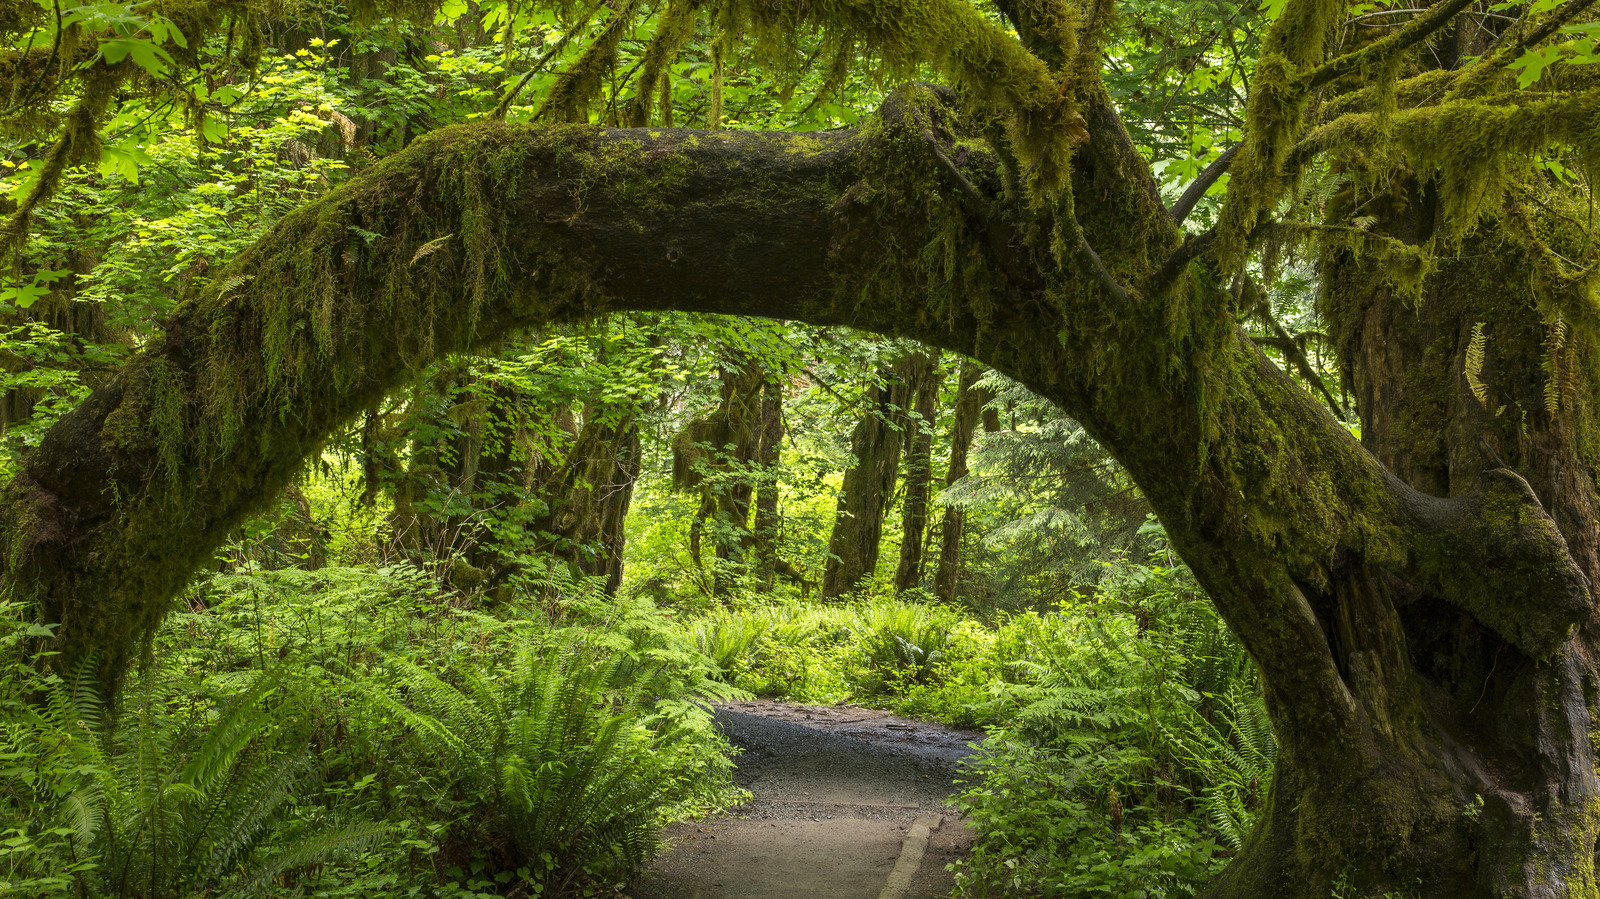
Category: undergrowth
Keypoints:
(1128, 749)
(289, 718)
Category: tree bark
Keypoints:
(767, 531)
(455, 499)
(924, 378)
(588, 502)
(1289, 523)
(971, 401)
(868, 483)
(714, 455)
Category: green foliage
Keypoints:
(190, 789)
(1136, 754)
(1051, 503)
(827, 652)
(562, 735)
(1044, 833)
(1129, 745)
(558, 766)
(49, 764)
(196, 795)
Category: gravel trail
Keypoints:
(835, 791)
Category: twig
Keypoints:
(44, 73)
(1292, 351)
(1173, 266)
(999, 235)
(1091, 260)
(1419, 28)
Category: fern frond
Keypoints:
(233, 822)
(258, 881)
(1473, 365)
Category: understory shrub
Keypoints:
(193, 788)
(1137, 752)
(826, 652)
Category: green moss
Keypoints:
(804, 145)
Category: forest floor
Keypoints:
(836, 790)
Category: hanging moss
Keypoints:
(569, 98)
(673, 31)
(996, 78)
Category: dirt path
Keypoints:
(836, 791)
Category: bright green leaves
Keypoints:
(25, 295)
(150, 57)
(1577, 45)
(125, 33)
(1579, 49)
(124, 160)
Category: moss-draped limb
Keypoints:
(1471, 150)
(569, 97)
(1289, 71)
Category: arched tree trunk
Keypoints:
(489, 228)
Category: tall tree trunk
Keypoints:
(1470, 737)
(768, 527)
(869, 482)
(971, 403)
(457, 489)
(924, 378)
(713, 455)
(589, 501)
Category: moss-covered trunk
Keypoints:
(715, 455)
(868, 484)
(969, 405)
(925, 377)
(1313, 550)
(1478, 743)
(767, 529)
(588, 501)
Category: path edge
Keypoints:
(911, 852)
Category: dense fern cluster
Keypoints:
(333, 729)
(1137, 754)
(561, 766)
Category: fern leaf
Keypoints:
(1473, 366)
(353, 838)
(429, 248)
